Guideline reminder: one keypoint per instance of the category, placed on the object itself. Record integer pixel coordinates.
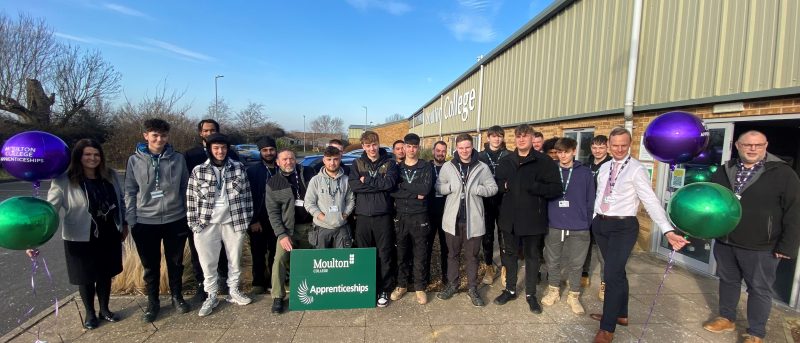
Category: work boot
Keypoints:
(720, 325)
(447, 292)
(553, 295)
(422, 297)
(398, 293)
(488, 278)
(748, 338)
(277, 306)
(179, 304)
(585, 280)
(574, 302)
(475, 297)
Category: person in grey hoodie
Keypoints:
(155, 203)
(465, 181)
(330, 201)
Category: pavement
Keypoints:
(686, 301)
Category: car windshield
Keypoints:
(310, 160)
(247, 147)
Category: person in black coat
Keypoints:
(527, 178)
(262, 238)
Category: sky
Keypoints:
(297, 58)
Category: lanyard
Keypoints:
(269, 173)
(336, 190)
(411, 178)
(464, 176)
(745, 178)
(493, 163)
(436, 171)
(219, 175)
(155, 161)
(566, 185)
(297, 178)
(612, 183)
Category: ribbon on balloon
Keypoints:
(670, 263)
(34, 269)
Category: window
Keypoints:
(584, 138)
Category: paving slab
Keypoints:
(257, 333)
(332, 318)
(406, 333)
(184, 335)
(315, 334)
(465, 333)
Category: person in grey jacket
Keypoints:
(465, 181)
(155, 202)
(330, 201)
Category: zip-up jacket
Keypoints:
(140, 183)
(770, 208)
(280, 202)
(414, 180)
(380, 178)
(527, 183)
(258, 175)
(480, 184)
(492, 160)
(202, 193)
(580, 194)
(325, 191)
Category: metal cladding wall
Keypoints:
(698, 49)
(572, 60)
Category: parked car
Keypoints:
(247, 152)
(315, 161)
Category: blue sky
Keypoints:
(296, 57)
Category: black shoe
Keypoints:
(475, 297)
(200, 296)
(151, 313)
(91, 322)
(277, 306)
(180, 305)
(505, 297)
(533, 304)
(259, 290)
(109, 316)
(448, 292)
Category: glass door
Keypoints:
(698, 254)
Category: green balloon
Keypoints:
(705, 210)
(26, 223)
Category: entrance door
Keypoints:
(698, 254)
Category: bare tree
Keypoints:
(327, 124)
(251, 116)
(81, 77)
(220, 111)
(394, 117)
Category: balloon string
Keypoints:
(36, 187)
(34, 269)
(653, 306)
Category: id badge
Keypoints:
(610, 199)
(333, 208)
(299, 202)
(738, 197)
(157, 194)
(563, 203)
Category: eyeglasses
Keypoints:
(758, 146)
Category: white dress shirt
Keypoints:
(631, 187)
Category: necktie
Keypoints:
(603, 204)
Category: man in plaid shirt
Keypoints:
(219, 208)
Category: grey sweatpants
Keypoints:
(572, 245)
(209, 243)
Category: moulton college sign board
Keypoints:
(327, 279)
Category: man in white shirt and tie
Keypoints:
(621, 186)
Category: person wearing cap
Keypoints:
(262, 238)
(219, 209)
(330, 201)
(412, 227)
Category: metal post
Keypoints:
(216, 97)
(366, 112)
(304, 133)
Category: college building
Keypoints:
(582, 67)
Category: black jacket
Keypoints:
(435, 204)
(770, 208)
(526, 184)
(258, 176)
(493, 161)
(405, 197)
(372, 196)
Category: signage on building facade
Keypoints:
(455, 105)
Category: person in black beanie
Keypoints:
(262, 238)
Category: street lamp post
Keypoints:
(304, 133)
(366, 112)
(216, 97)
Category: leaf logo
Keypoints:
(302, 293)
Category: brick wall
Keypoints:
(390, 132)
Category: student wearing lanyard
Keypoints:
(493, 151)
(262, 238)
(412, 227)
(330, 201)
(436, 210)
(220, 208)
(155, 205)
(769, 231)
(622, 184)
(569, 217)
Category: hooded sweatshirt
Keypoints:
(580, 192)
(325, 191)
(165, 174)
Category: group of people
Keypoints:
(545, 205)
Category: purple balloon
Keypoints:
(675, 137)
(35, 156)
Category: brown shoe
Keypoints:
(719, 325)
(603, 336)
(620, 321)
(752, 339)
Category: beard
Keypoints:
(332, 171)
(269, 160)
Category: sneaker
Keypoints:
(237, 297)
(719, 325)
(398, 293)
(422, 297)
(475, 297)
(180, 305)
(277, 306)
(505, 297)
(574, 302)
(602, 292)
(208, 305)
(585, 280)
(151, 313)
(503, 276)
(553, 295)
(447, 292)
(259, 290)
(488, 278)
(533, 304)
(383, 300)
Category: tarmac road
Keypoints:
(16, 296)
